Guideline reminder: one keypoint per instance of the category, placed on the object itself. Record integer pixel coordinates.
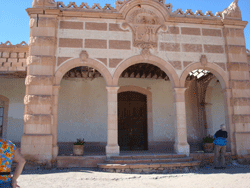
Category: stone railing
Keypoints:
(13, 57)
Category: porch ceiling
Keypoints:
(141, 70)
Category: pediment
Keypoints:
(131, 7)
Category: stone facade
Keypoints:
(135, 31)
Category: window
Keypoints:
(1, 121)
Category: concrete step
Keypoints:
(153, 156)
(148, 160)
(149, 165)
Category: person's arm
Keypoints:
(19, 168)
(216, 135)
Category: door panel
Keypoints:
(132, 121)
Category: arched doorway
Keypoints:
(154, 83)
(82, 103)
(205, 108)
(132, 121)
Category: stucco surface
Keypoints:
(217, 115)
(14, 90)
(82, 110)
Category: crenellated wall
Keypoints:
(13, 57)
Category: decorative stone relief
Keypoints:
(32, 22)
(145, 24)
(120, 3)
(145, 53)
(37, 99)
(84, 55)
(38, 80)
(233, 11)
(37, 119)
(203, 60)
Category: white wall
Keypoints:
(215, 111)
(14, 90)
(82, 110)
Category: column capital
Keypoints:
(226, 90)
(56, 87)
(179, 89)
(112, 88)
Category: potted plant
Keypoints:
(208, 144)
(78, 147)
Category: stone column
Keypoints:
(181, 146)
(37, 140)
(238, 71)
(112, 148)
(55, 148)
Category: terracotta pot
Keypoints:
(208, 147)
(78, 149)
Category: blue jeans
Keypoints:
(6, 185)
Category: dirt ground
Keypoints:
(233, 176)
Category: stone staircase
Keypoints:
(162, 163)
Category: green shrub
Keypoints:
(79, 142)
(208, 139)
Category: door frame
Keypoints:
(149, 106)
(5, 114)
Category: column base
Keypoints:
(182, 149)
(37, 148)
(55, 150)
(112, 151)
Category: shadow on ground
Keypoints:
(233, 168)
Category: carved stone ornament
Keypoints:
(145, 25)
(233, 11)
(42, 3)
(203, 60)
(145, 52)
(84, 55)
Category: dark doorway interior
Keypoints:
(132, 121)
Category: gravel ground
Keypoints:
(233, 176)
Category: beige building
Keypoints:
(137, 76)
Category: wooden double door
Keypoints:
(132, 121)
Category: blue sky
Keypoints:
(14, 20)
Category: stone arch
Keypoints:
(165, 66)
(216, 70)
(223, 78)
(78, 62)
(5, 114)
(149, 105)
